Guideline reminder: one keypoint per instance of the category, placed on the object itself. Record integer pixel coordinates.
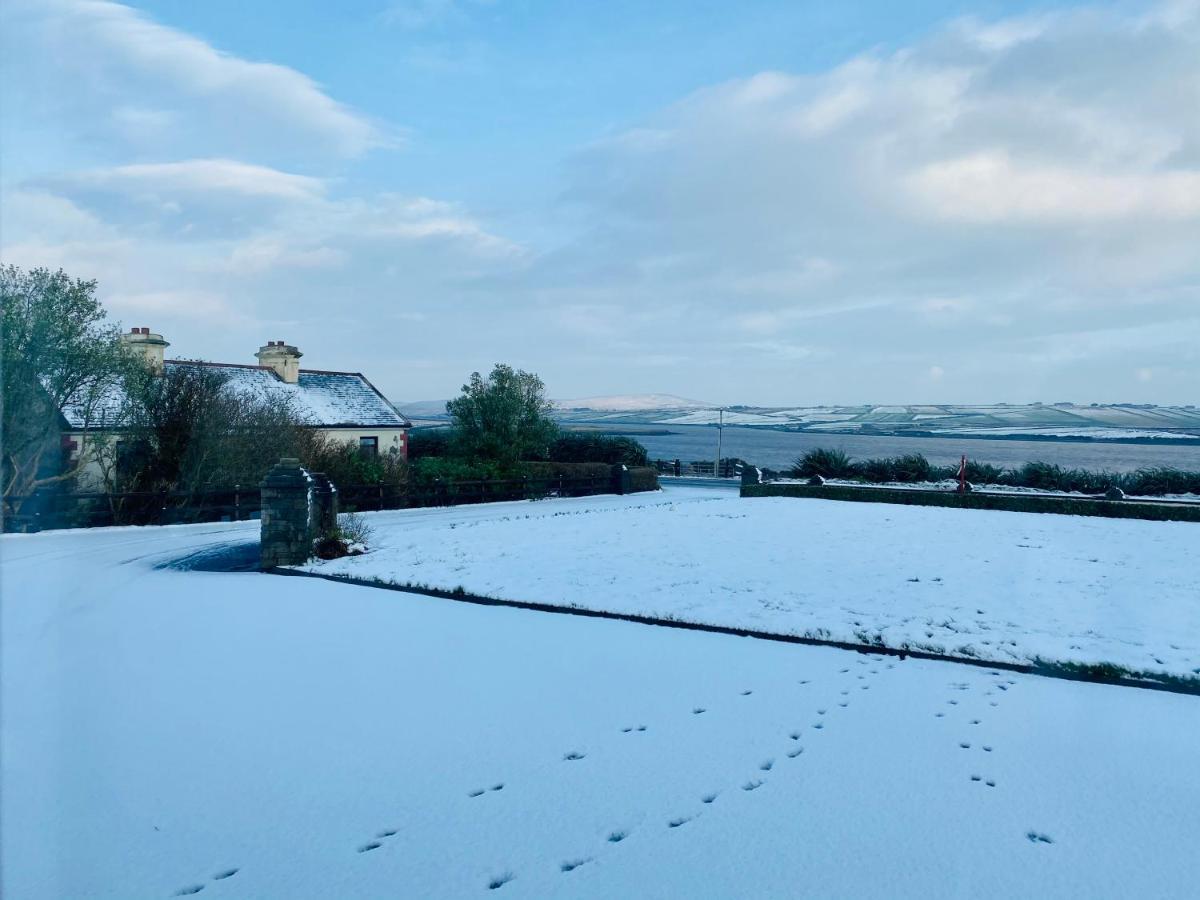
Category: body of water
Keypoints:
(778, 449)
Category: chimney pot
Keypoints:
(284, 360)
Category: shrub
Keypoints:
(823, 462)
(348, 538)
(567, 470)
(643, 478)
(345, 464)
(913, 467)
(353, 529)
(1161, 480)
(428, 469)
(330, 547)
(584, 447)
(429, 442)
(877, 470)
(977, 473)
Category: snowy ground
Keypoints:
(253, 736)
(1000, 586)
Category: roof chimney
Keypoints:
(283, 358)
(151, 347)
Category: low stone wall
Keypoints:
(1070, 506)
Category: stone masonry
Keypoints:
(288, 515)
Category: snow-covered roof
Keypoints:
(322, 399)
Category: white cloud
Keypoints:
(989, 187)
(994, 181)
(200, 176)
(92, 55)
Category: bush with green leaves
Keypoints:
(424, 442)
(1037, 474)
(590, 447)
(823, 462)
(503, 418)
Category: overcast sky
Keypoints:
(752, 202)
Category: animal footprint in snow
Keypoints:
(708, 798)
(573, 755)
(494, 787)
(1038, 838)
(843, 704)
(477, 793)
(752, 785)
(990, 783)
(229, 873)
(675, 823)
(987, 748)
(747, 693)
(697, 710)
(191, 889)
(500, 881)
(573, 864)
(386, 833)
(615, 837)
(765, 765)
(792, 754)
(965, 745)
(371, 845)
(974, 721)
(977, 778)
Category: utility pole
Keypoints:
(720, 435)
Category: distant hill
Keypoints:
(1062, 420)
(631, 403)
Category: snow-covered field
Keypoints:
(172, 732)
(1001, 586)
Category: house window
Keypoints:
(368, 446)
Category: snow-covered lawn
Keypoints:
(1000, 586)
(253, 736)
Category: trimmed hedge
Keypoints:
(643, 478)
(567, 470)
(914, 467)
(1071, 506)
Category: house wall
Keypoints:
(389, 438)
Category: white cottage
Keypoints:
(343, 405)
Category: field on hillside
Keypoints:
(1011, 587)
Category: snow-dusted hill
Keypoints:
(1061, 420)
(1068, 421)
(632, 403)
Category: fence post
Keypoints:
(286, 536)
(678, 468)
(237, 503)
(622, 481)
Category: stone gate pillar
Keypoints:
(325, 504)
(287, 515)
